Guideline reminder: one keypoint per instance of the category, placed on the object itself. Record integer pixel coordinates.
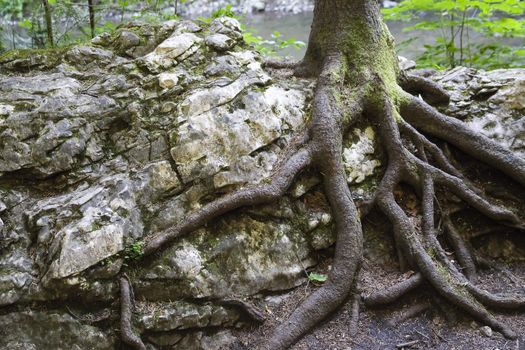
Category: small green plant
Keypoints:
(222, 12)
(134, 251)
(317, 277)
(272, 46)
(264, 46)
(456, 19)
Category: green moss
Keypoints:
(372, 58)
(49, 57)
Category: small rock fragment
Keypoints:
(486, 331)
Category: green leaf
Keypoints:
(317, 277)
(26, 24)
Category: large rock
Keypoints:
(492, 103)
(47, 330)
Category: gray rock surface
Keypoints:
(104, 144)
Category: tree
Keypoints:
(49, 22)
(351, 54)
(92, 24)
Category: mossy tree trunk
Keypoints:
(351, 54)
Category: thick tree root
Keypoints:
(126, 314)
(461, 249)
(402, 123)
(277, 186)
(327, 144)
(425, 118)
(431, 92)
(354, 315)
(395, 292)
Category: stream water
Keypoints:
(290, 26)
(298, 26)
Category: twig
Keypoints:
(407, 344)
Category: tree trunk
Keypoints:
(49, 23)
(91, 9)
(356, 30)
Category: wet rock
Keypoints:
(127, 40)
(490, 102)
(213, 138)
(223, 65)
(103, 39)
(50, 125)
(168, 80)
(227, 26)
(162, 177)
(358, 158)
(79, 230)
(237, 257)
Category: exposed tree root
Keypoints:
(425, 118)
(277, 186)
(431, 92)
(126, 313)
(359, 83)
(354, 315)
(326, 134)
(250, 310)
(421, 251)
(462, 250)
(390, 295)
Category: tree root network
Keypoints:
(406, 127)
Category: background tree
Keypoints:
(49, 22)
(91, 10)
(351, 54)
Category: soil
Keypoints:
(382, 329)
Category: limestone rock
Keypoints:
(164, 317)
(171, 51)
(490, 102)
(50, 330)
(220, 42)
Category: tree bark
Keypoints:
(49, 23)
(353, 28)
(91, 9)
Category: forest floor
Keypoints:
(384, 329)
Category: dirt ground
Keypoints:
(439, 326)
